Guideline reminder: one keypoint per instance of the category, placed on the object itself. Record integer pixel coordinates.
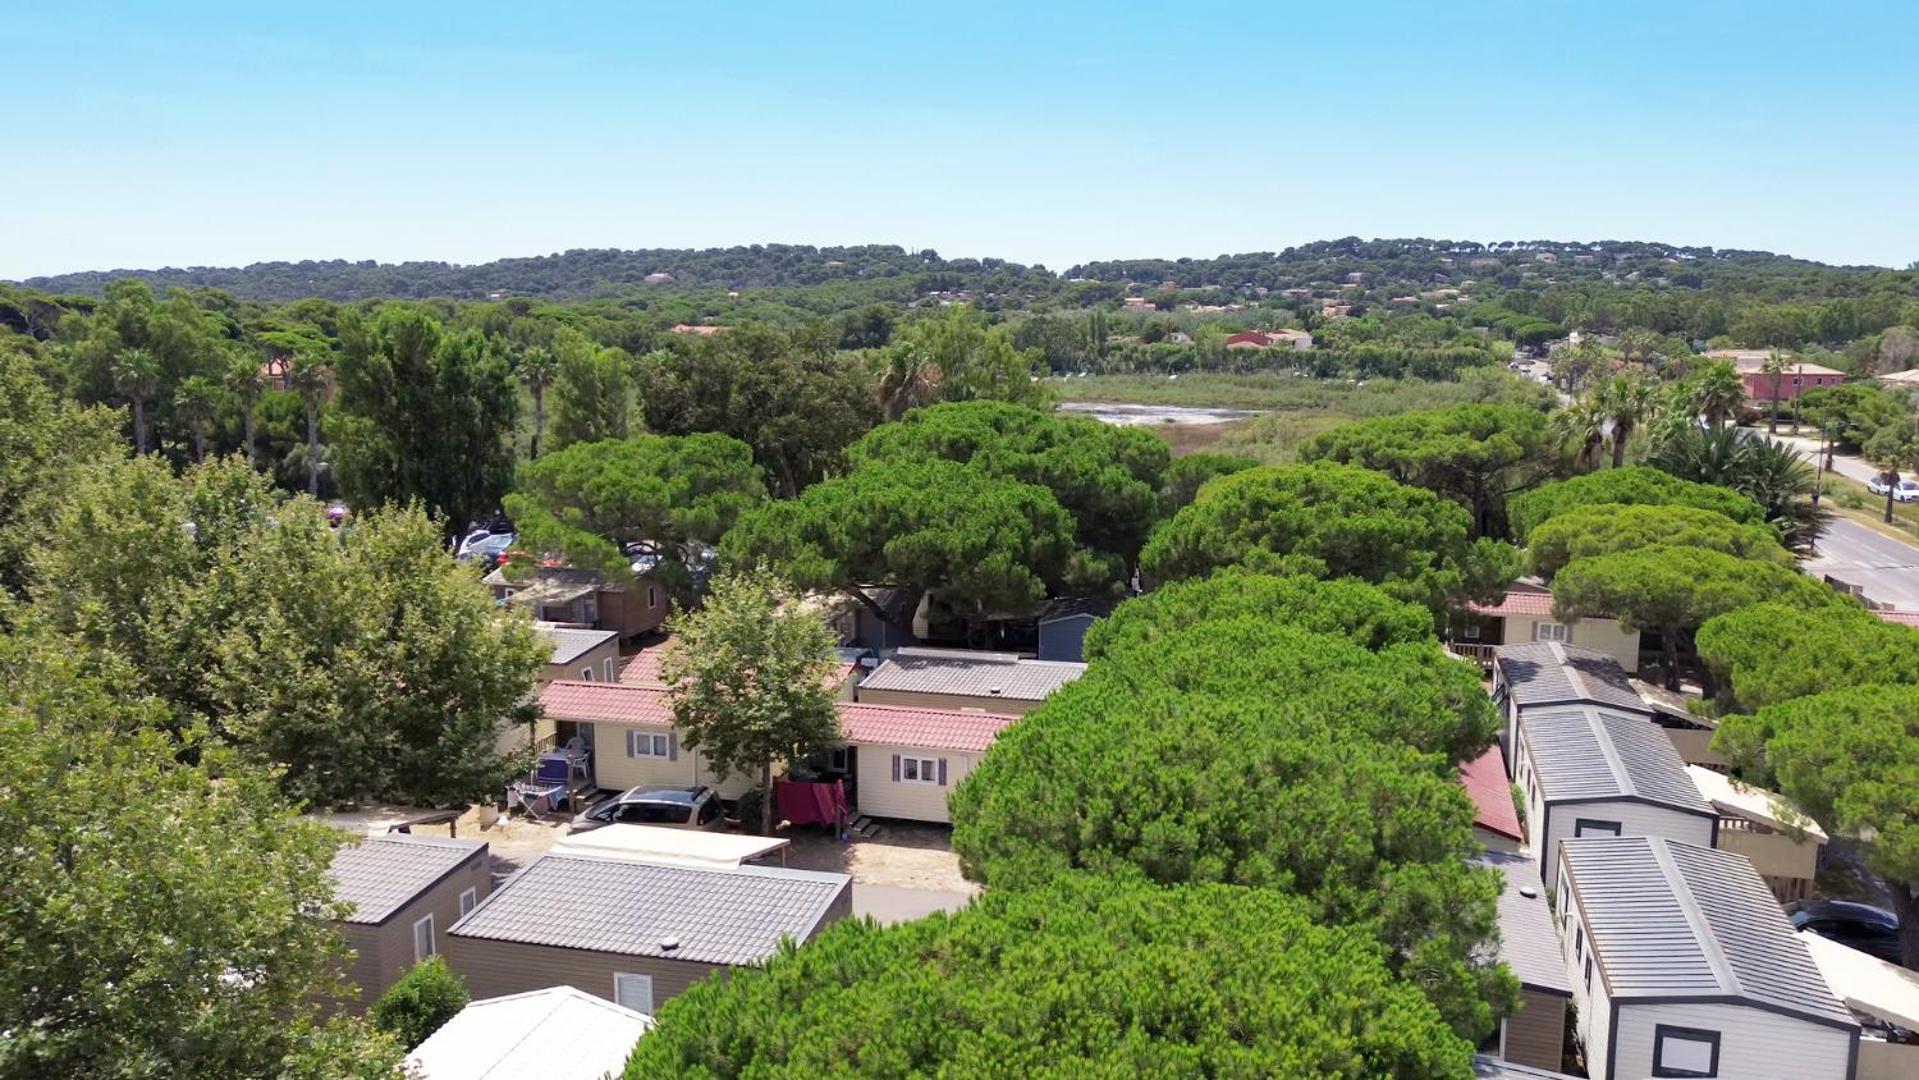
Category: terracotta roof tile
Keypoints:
(568, 699)
(936, 729)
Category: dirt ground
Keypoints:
(903, 856)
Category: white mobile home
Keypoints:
(1683, 964)
(1550, 674)
(906, 761)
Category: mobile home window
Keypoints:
(1589, 827)
(634, 991)
(423, 946)
(469, 899)
(919, 770)
(1551, 631)
(1679, 1051)
(606, 669)
(586, 673)
(652, 597)
(647, 744)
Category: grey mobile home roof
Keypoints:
(1527, 941)
(381, 874)
(1671, 920)
(1491, 1068)
(571, 644)
(1551, 673)
(971, 674)
(1584, 752)
(716, 916)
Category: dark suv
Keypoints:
(671, 807)
(1859, 926)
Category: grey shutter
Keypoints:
(672, 746)
(896, 768)
(942, 772)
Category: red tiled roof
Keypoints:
(568, 699)
(1484, 779)
(1517, 602)
(643, 669)
(902, 725)
(1904, 618)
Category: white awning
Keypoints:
(1730, 796)
(677, 847)
(1866, 983)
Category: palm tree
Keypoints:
(309, 376)
(1716, 392)
(1769, 473)
(537, 368)
(1777, 364)
(197, 402)
(243, 381)
(1581, 428)
(909, 382)
(1625, 402)
(1891, 449)
(136, 377)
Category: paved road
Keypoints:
(1878, 567)
(1847, 466)
(889, 904)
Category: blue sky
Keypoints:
(183, 134)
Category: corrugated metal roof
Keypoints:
(1527, 941)
(570, 644)
(569, 699)
(1552, 673)
(902, 725)
(560, 1033)
(714, 916)
(1484, 779)
(971, 674)
(1486, 1067)
(1584, 752)
(1668, 919)
(379, 875)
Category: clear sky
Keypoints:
(144, 135)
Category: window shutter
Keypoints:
(896, 768)
(673, 746)
(632, 743)
(942, 772)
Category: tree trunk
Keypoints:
(246, 419)
(1772, 426)
(140, 433)
(313, 450)
(199, 444)
(1906, 906)
(1669, 650)
(766, 799)
(539, 422)
(906, 629)
(1620, 433)
(1890, 488)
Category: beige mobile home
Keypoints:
(406, 892)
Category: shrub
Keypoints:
(425, 998)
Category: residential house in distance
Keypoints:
(587, 655)
(1535, 1034)
(1270, 339)
(1003, 683)
(1552, 674)
(559, 1033)
(903, 762)
(636, 933)
(1782, 842)
(1063, 626)
(1525, 615)
(1683, 964)
(583, 598)
(406, 892)
(1589, 771)
(1798, 378)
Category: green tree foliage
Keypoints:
(1476, 455)
(1769, 473)
(134, 348)
(44, 444)
(1637, 485)
(1675, 590)
(1771, 653)
(1604, 528)
(796, 403)
(1715, 391)
(426, 415)
(972, 360)
(1186, 475)
(592, 391)
(420, 1002)
(1351, 609)
(1108, 477)
(1089, 977)
(1850, 759)
(749, 680)
(1328, 520)
(536, 368)
(163, 920)
(989, 543)
(1850, 413)
(589, 500)
(1893, 449)
(362, 662)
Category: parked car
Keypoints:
(336, 513)
(485, 548)
(673, 807)
(1859, 926)
(1903, 491)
